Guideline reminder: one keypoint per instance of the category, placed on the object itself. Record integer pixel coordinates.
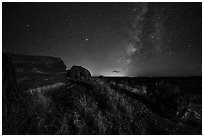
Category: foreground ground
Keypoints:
(104, 106)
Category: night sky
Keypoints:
(111, 39)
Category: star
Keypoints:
(134, 10)
(170, 52)
(27, 25)
(87, 39)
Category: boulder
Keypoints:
(78, 72)
(100, 76)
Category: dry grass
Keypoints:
(85, 107)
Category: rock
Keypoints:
(9, 84)
(78, 72)
(100, 76)
(34, 69)
(37, 64)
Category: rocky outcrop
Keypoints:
(37, 64)
(34, 71)
(78, 72)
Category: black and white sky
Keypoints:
(111, 39)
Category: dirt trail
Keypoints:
(47, 87)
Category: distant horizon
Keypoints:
(145, 76)
(97, 75)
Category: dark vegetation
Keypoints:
(105, 105)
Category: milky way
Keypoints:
(115, 39)
(158, 43)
